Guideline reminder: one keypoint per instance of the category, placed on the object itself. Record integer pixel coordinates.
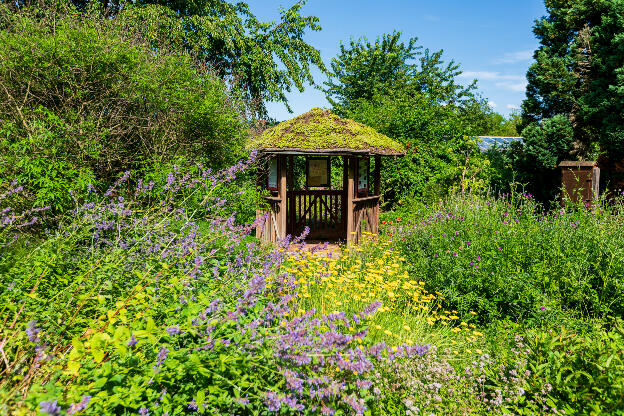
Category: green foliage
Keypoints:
(577, 75)
(586, 372)
(264, 59)
(83, 99)
(363, 70)
(536, 160)
(578, 373)
(497, 125)
(320, 129)
(417, 104)
(440, 156)
(507, 259)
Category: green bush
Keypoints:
(83, 99)
(581, 373)
(505, 258)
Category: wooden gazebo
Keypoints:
(334, 208)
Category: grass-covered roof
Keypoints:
(321, 131)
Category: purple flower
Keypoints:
(542, 307)
(143, 411)
(242, 401)
(162, 355)
(132, 341)
(272, 401)
(79, 407)
(173, 330)
(32, 331)
(454, 254)
(50, 407)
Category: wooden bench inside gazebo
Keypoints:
(321, 172)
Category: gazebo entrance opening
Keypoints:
(335, 196)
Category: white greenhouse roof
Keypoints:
(488, 142)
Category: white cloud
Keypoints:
(514, 57)
(492, 104)
(512, 86)
(491, 76)
(512, 107)
(515, 83)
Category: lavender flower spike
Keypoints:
(50, 407)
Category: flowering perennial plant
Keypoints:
(376, 271)
(146, 305)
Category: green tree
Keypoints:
(364, 69)
(578, 74)
(411, 95)
(265, 60)
(499, 125)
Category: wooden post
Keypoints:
(281, 185)
(290, 173)
(377, 192)
(377, 175)
(343, 203)
(350, 194)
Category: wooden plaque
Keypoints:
(317, 172)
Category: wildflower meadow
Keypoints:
(136, 305)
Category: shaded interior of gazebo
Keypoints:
(321, 172)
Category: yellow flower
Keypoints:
(387, 332)
(406, 327)
(378, 326)
(395, 349)
(478, 351)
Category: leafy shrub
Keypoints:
(506, 258)
(84, 99)
(575, 372)
(584, 373)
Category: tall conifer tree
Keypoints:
(575, 85)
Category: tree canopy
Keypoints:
(577, 81)
(265, 60)
(411, 95)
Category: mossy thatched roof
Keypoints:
(321, 131)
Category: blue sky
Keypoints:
(491, 40)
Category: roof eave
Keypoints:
(330, 152)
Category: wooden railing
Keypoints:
(365, 217)
(322, 211)
(268, 230)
